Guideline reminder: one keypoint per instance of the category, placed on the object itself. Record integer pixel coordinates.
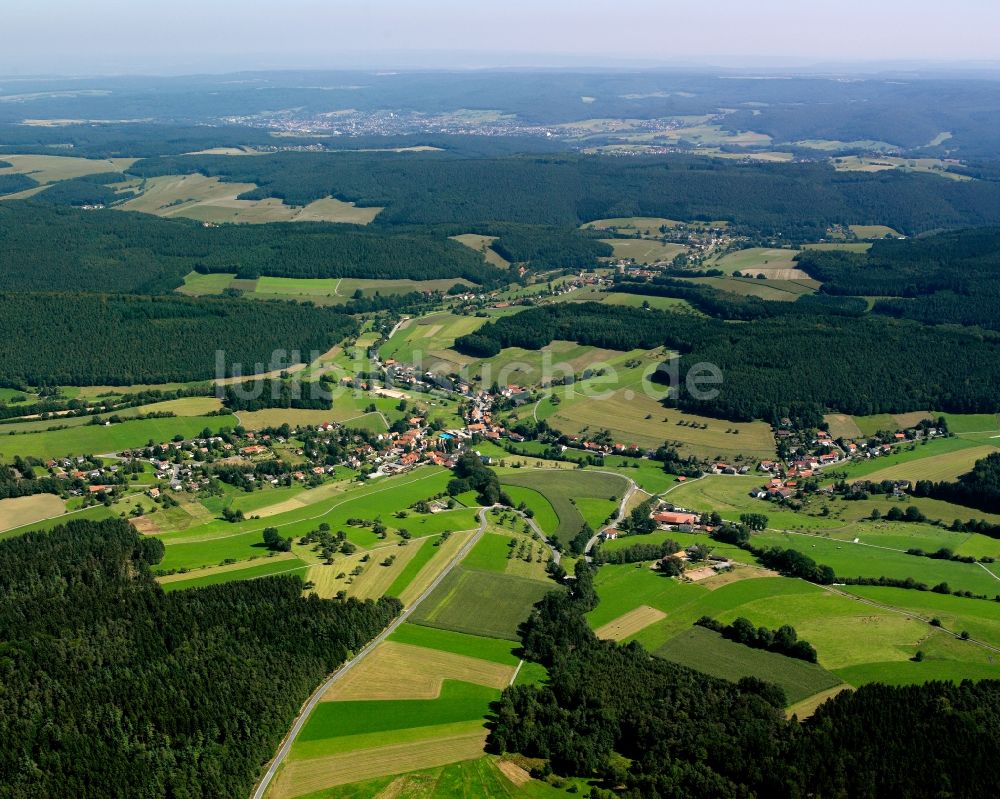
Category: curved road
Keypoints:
(317, 695)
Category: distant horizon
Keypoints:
(63, 37)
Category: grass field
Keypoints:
(427, 340)
(493, 649)
(638, 300)
(632, 417)
(481, 244)
(946, 466)
(20, 511)
(912, 459)
(643, 225)
(645, 251)
(458, 701)
(564, 489)
(481, 603)
(209, 199)
(186, 406)
(487, 777)
(544, 514)
(777, 264)
(874, 231)
(100, 439)
(301, 777)
(52, 168)
(707, 651)
(846, 246)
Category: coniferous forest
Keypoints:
(112, 688)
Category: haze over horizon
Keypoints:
(117, 36)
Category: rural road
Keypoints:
(317, 695)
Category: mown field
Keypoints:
(481, 244)
(52, 168)
(20, 511)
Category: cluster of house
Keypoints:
(81, 471)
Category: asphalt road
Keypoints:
(317, 695)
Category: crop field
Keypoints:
(634, 418)
(645, 251)
(707, 651)
(213, 200)
(561, 487)
(481, 603)
(198, 285)
(19, 511)
(186, 406)
(53, 168)
(403, 671)
(481, 244)
(629, 623)
(236, 571)
(777, 289)
(100, 439)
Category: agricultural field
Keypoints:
(846, 246)
(568, 492)
(874, 232)
(771, 289)
(481, 244)
(20, 511)
(428, 340)
(100, 439)
(481, 603)
(278, 564)
(640, 301)
(645, 226)
(777, 264)
(645, 251)
(707, 651)
(883, 163)
(856, 641)
(212, 200)
(635, 417)
(52, 168)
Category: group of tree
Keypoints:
(255, 395)
(185, 693)
(471, 474)
(784, 640)
(636, 553)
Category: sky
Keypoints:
(184, 36)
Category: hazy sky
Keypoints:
(87, 36)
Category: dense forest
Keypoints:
(44, 247)
(645, 727)
(91, 339)
(799, 201)
(15, 182)
(255, 395)
(113, 688)
(951, 278)
(793, 365)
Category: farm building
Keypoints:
(675, 517)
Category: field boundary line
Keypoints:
(317, 695)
